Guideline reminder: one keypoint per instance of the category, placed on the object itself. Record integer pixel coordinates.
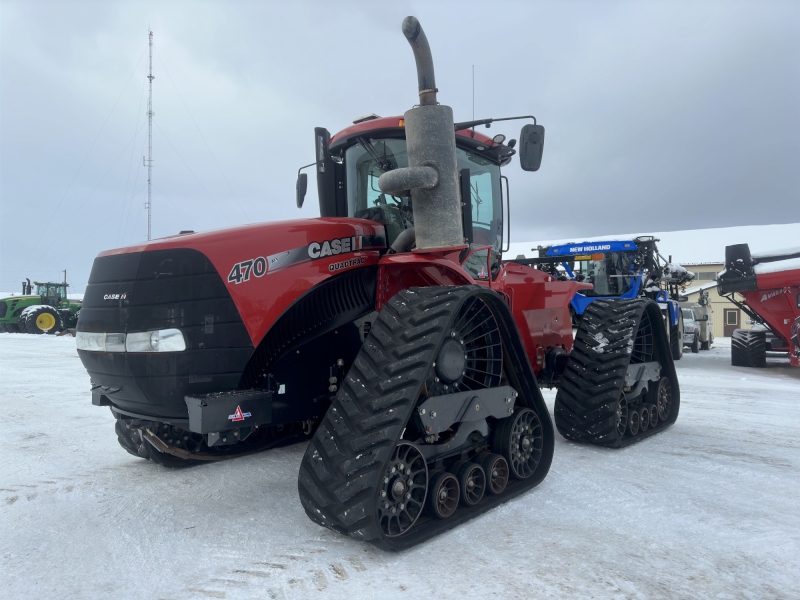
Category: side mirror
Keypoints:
(531, 146)
(301, 187)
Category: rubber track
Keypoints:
(585, 406)
(749, 348)
(345, 460)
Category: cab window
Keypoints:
(367, 160)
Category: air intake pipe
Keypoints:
(432, 172)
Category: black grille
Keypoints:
(164, 289)
(332, 304)
(3, 310)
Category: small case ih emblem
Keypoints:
(238, 415)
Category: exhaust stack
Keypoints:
(432, 172)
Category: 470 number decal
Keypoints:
(243, 270)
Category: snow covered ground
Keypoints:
(709, 508)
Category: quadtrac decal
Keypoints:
(262, 265)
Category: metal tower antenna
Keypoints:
(149, 160)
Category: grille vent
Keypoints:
(338, 301)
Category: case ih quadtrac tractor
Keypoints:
(620, 270)
(769, 283)
(389, 330)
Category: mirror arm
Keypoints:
(468, 124)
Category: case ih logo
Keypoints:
(116, 296)
(335, 246)
(238, 415)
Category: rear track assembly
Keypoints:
(619, 385)
(438, 420)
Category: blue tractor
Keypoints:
(620, 270)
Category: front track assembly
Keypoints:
(439, 420)
(619, 385)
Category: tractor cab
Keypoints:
(350, 163)
(52, 294)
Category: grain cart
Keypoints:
(769, 285)
(46, 311)
(389, 330)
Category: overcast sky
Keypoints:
(659, 115)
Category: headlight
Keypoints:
(94, 342)
(163, 340)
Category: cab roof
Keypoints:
(479, 142)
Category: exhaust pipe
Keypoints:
(432, 172)
(424, 59)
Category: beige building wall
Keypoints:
(706, 273)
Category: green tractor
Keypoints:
(47, 311)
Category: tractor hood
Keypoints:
(265, 266)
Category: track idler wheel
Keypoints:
(633, 422)
(472, 481)
(519, 441)
(644, 418)
(664, 398)
(444, 495)
(402, 495)
(496, 469)
(622, 414)
(651, 408)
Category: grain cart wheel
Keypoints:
(43, 319)
(696, 344)
(617, 338)
(496, 469)
(443, 495)
(749, 348)
(442, 369)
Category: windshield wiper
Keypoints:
(383, 164)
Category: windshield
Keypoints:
(367, 160)
(688, 314)
(611, 273)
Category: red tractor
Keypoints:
(769, 283)
(389, 330)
